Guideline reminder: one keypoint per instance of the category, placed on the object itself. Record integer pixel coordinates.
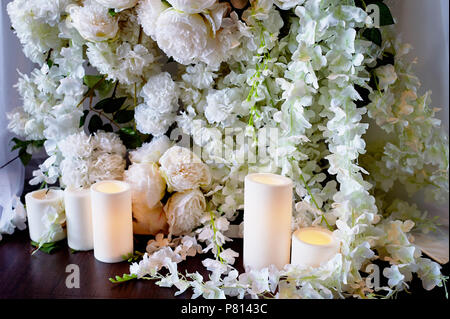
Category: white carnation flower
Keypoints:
(148, 12)
(107, 167)
(150, 121)
(84, 147)
(184, 211)
(109, 143)
(151, 152)
(161, 93)
(183, 170)
(192, 6)
(223, 106)
(146, 183)
(119, 5)
(93, 22)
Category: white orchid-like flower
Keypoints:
(183, 170)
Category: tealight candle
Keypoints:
(112, 221)
(312, 246)
(37, 206)
(267, 220)
(78, 218)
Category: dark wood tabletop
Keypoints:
(43, 275)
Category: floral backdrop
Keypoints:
(119, 82)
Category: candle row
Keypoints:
(99, 218)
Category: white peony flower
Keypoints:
(119, 5)
(182, 36)
(148, 12)
(151, 152)
(93, 22)
(146, 183)
(183, 170)
(184, 211)
(150, 121)
(192, 6)
(161, 93)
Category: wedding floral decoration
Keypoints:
(324, 73)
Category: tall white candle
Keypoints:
(79, 218)
(312, 246)
(38, 204)
(267, 220)
(111, 220)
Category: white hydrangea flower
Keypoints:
(184, 210)
(183, 170)
(93, 21)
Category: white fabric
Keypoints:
(11, 59)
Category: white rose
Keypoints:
(183, 170)
(184, 211)
(192, 6)
(93, 22)
(146, 183)
(151, 152)
(183, 36)
(149, 221)
(148, 12)
(119, 5)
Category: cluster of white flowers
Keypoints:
(89, 159)
(303, 67)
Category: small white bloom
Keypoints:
(151, 152)
(184, 210)
(161, 93)
(192, 6)
(150, 121)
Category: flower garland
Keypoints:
(319, 72)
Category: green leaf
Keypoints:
(91, 80)
(25, 158)
(123, 116)
(373, 35)
(385, 14)
(110, 105)
(112, 12)
(48, 248)
(124, 278)
(50, 63)
(130, 137)
(107, 128)
(95, 123)
(83, 118)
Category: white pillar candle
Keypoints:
(79, 218)
(112, 221)
(38, 204)
(267, 220)
(312, 246)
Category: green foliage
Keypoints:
(95, 123)
(123, 116)
(374, 35)
(98, 83)
(48, 248)
(131, 257)
(130, 137)
(22, 146)
(124, 278)
(112, 12)
(83, 118)
(111, 104)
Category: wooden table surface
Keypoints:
(41, 275)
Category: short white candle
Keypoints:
(267, 220)
(312, 246)
(79, 218)
(37, 206)
(112, 220)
